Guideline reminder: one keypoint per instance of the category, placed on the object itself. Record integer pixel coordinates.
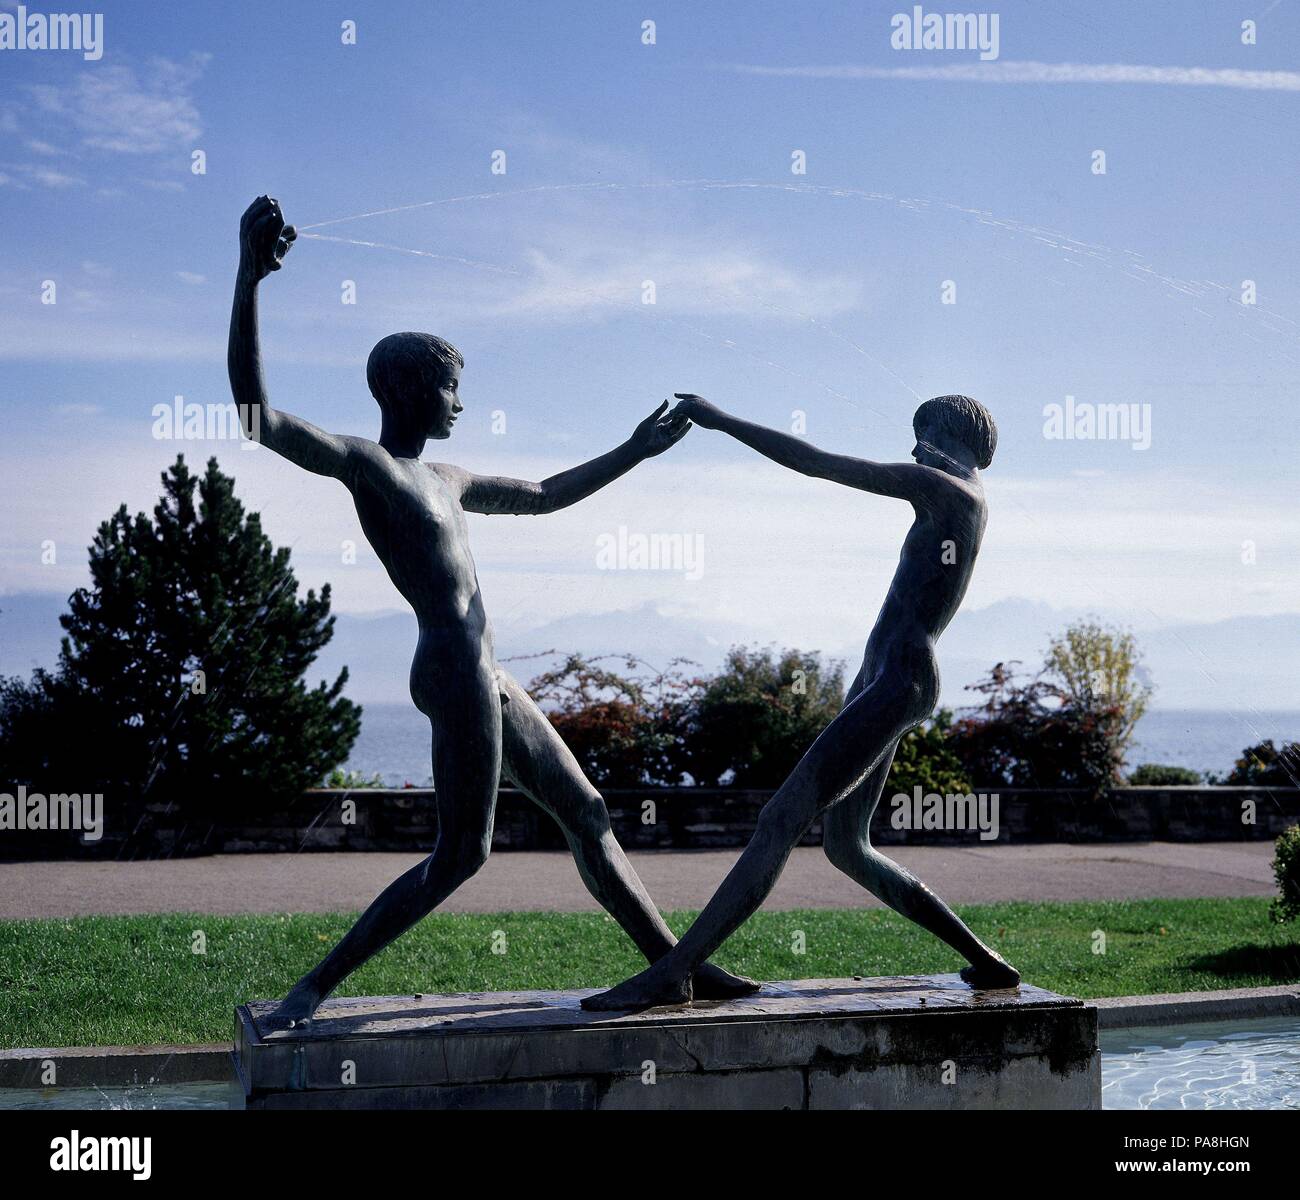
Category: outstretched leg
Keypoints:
(847, 841)
(466, 773)
(847, 750)
(538, 762)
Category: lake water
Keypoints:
(395, 745)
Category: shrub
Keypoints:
(351, 780)
(1286, 869)
(1264, 764)
(1097, 668)
(926, 760)
(747, 725)
(752, 722)
(1163, 775)
(1029, 735)
(624, 727)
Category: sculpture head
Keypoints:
(415, 377)
(955, 428)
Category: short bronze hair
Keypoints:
(965, 419)
(404, 362)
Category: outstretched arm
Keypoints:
(264, 240)
(521, 497)
(903, 481)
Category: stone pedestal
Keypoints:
(922, 1041)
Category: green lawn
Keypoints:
(135, 980)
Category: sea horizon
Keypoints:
(394, 742)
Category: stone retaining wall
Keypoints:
(647, 819)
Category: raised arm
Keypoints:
(264, 240)
(903, 481)
(521, 497)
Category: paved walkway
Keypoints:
(329, 882)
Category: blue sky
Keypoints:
(818, 293)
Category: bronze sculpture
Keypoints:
(484, 724)
(897, 687)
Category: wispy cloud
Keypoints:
(687, 279)
(683, 277)
(120, 110)
(29, 174)
(152, 335)
(1041, 72)
(115, 110)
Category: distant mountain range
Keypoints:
(1244, 661)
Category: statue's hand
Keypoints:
(264, 238)
(657, 432)
(698, 409)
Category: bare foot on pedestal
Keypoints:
(653, 988)
(994, 972)
(713, 983)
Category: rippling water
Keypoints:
(143, 1096)
(1223, 1064)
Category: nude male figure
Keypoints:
(484, 724)
(845, 769)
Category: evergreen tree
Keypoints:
(180, 674)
